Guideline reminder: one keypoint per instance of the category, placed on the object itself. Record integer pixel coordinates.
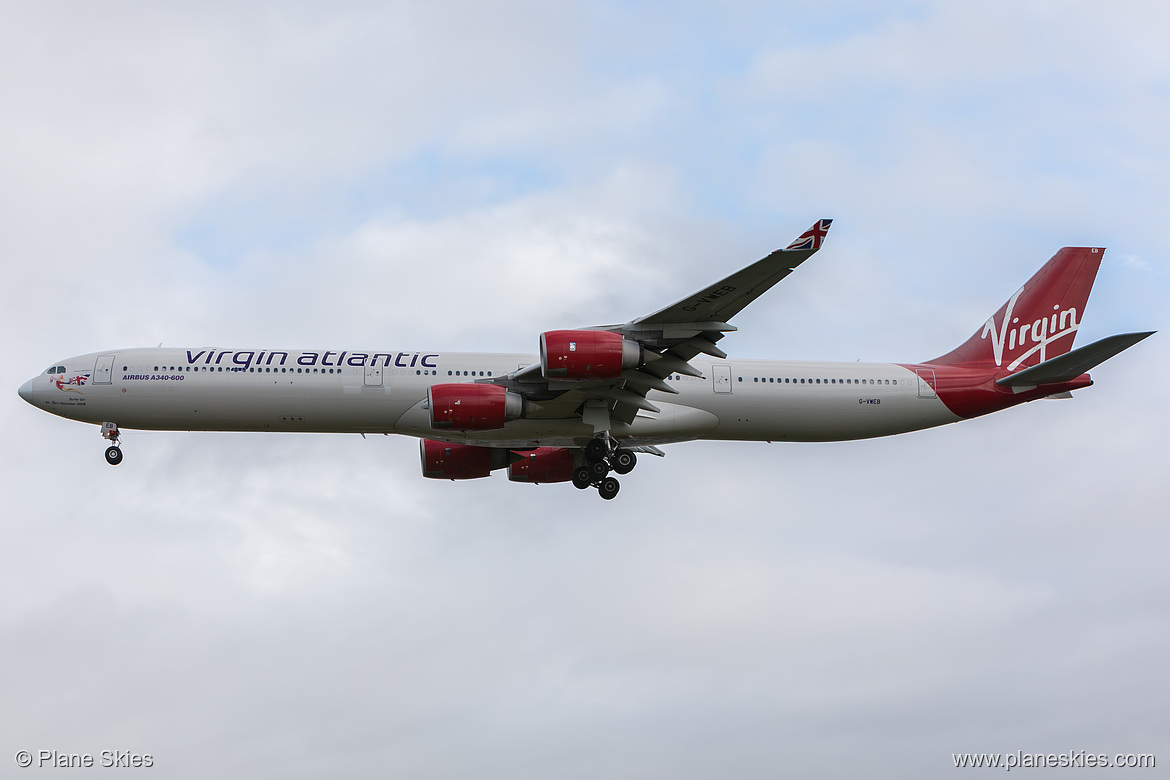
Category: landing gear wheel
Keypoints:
(113, 456)
(582, 478)
(623, 461)
(596, 450)
(608, 488)
(599, 470)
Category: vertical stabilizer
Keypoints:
(1040, 321)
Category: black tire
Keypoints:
(623, 461)
(113, 456)
(582, 478)
(596, 450)
(608, 488)
(599, 470)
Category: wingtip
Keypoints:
(810, 240)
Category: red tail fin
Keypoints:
(1040, 321)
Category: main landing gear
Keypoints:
(113, 452)
(601, 457)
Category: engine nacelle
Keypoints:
(469, 406)
(586, 354)
(544, 464)
(441, 460)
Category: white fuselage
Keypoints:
(380, 392)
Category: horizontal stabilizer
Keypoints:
(1072, 364)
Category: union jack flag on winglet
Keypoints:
(811, 238)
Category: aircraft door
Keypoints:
(926, 383)
(373, 374)
(721, 378)
(103, 370)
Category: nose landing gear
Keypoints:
(113, 452)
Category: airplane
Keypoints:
(595, 398)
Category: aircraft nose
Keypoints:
(26, 391)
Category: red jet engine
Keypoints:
(586, 354)
(468, 406)
(544, 464)
(441, 460)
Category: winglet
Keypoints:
(811, 238)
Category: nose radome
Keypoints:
(26, 391)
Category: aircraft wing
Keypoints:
(671, 337)
(709, 310)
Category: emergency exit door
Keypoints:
(103, 370)
(721, 378)
(373, 374)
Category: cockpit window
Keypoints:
(60, 369)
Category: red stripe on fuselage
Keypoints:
(971, 392)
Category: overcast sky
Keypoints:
(464, 176)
